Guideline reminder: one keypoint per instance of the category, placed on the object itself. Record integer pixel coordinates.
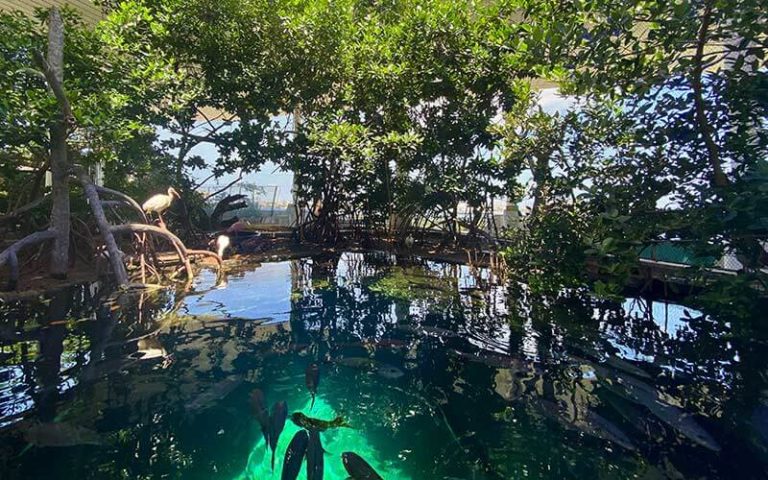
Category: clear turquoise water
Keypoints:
(441, 371)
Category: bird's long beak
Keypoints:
(174, 192)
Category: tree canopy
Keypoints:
(393, 114)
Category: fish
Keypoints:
(677, 418)
(426, 330)
(260, 411)
(356, 362)
(316, 424)
(294, 455)
(611, 360)
(588, 422)
(60, 435)
(627, 367)
(393, 343)
(494, 360)
(600, 427)
(383, 369)
(315, 459)
(276, 424)
(632, 414)
(357, 468)
(215, 394)
(389, 371)
(643, 394)
(312, 379)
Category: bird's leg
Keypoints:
(162, 223)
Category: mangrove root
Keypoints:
(10, 254)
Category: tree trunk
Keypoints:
(59, 164)
(541, 176)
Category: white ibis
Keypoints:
(160, 203)
(222, 244)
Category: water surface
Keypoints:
(442, 372)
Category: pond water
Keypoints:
(440, 371)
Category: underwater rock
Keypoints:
(508, 385)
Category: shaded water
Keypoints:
(440, 371)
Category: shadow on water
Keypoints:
(440, 371)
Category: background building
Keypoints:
(90, 12)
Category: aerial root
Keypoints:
(144, 248)
(10, 255)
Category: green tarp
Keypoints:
(669, 252)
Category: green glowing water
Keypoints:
(335, 442)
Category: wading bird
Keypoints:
(222, 244)
(160, 203)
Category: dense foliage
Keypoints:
(393, 115)
(683, 143)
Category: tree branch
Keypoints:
(226, 187)
(713, 152)
(22, 210)
(126, 199)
